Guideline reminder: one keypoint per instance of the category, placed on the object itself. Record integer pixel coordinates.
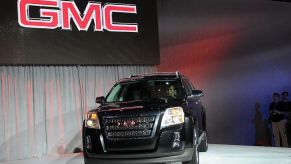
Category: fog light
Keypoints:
(176, 140)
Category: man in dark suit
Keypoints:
(278, 121)
(285, 106)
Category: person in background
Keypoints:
(261, 127)
(286, 107)
(278, 121)
(172, 91)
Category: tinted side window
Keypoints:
(190, 84)
(187, 86)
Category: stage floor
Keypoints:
(217, 154)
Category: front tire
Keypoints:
(195, 157)
(203, 147)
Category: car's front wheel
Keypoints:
(195, 157)
(203, 147)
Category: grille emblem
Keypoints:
(126, 123)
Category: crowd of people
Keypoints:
(280, 118)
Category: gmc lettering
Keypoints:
(60, 14)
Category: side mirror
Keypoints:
(100, 100)
(197, 93)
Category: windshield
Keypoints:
(145, 90)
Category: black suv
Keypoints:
(149, 118)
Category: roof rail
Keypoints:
(127, 78)
(156, 73)
(136, 76)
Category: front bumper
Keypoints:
(185, 155)
(163, 151)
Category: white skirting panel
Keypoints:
(42, 108)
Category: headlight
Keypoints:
(92, 120)
(173, 116)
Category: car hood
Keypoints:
(138, 107)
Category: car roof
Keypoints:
(156, 75)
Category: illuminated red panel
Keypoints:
(197, 59)
(31, 130)
(8, 130)
(77, 99)
(16, 112)
(51, 110)
(3, 107)
(60, 115)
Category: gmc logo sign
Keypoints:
(59, 14)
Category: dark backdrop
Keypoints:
(20, 45)
(237, 51)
